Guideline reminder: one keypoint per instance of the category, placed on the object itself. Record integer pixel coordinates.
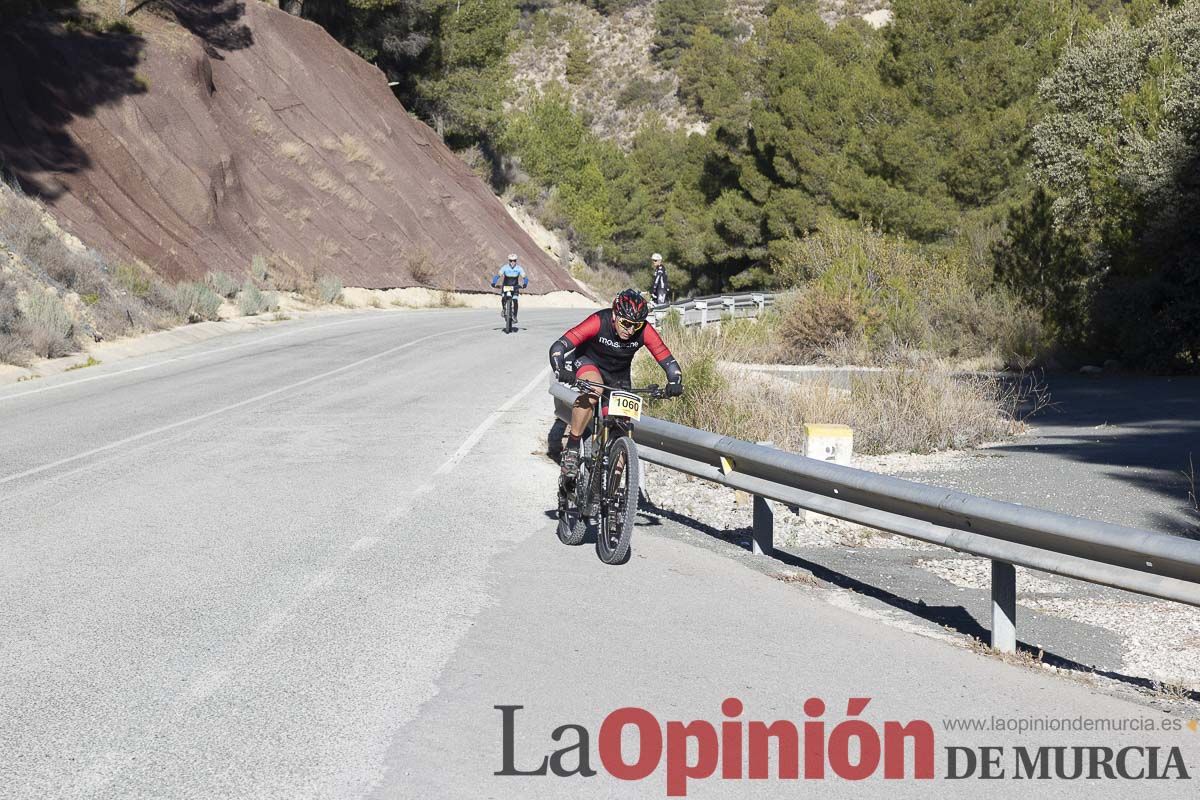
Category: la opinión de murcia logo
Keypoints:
(853, 749)
(720, 747)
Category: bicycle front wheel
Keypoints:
(571, 527)
(619, 508)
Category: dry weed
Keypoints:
(296, 151)
(422, 268)
(298, 216)
(1193, 496)
(920, 409)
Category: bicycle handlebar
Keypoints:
(653, 390)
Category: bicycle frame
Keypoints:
(604, 430)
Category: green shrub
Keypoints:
(196, 302)
(252, 301)
(14, 344)
(579, 66)
(258, 268)
(642, 91)
(222, 283)
(49, 326)
(133, 279)
(119, 25)
(329, 289)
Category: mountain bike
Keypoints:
(605, 489)
(509, 294)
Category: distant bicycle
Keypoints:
(510, 274)
(508, 302)
(605, 488)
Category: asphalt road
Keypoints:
(309, 561)
(1112, 447)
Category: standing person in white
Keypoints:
(659, 287)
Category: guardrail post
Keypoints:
(764, 527)
(1004, 607)
(702, 307)
(760, 301)
(762, 539)
(730, 306)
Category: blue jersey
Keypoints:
(511, 274)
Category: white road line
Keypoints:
(164, 362)
(478, 433)
(230, 407)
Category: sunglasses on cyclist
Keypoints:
(629, 325)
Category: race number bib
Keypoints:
(624, 404)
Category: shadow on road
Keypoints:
(952, 617)
(1144, 428)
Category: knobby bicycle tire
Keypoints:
(615, 532)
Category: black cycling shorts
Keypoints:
(621, 380)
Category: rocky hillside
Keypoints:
(202, 134)
(605, 61)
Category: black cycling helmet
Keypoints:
(630, 305)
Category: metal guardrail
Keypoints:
(703, 310)
(1142, 561)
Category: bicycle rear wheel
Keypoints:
(619, 507)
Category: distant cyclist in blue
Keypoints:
(511, 273)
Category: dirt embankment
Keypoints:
(222, 130)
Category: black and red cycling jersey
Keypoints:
(595, 341)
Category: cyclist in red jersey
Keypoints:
(601, 349)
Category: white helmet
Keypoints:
(512, 256)
(656, 257)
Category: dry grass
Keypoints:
(261, 125)
(1021, 658)
(48, 325)
(801, 578)
(917, 409)
(222, 283)
(50, 268)
(1193, 496)
(328, 183)
(299, 216)
(868, 293)
(355, 151)
(603, 280)
(296, 151)
(252, 301)
(329, 289)
(421, 267)
(327, 249)
(258, 268)
(274, 194)
(1176, 691)
(196, 302)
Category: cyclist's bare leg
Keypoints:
(581, 413)
(585, 403)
